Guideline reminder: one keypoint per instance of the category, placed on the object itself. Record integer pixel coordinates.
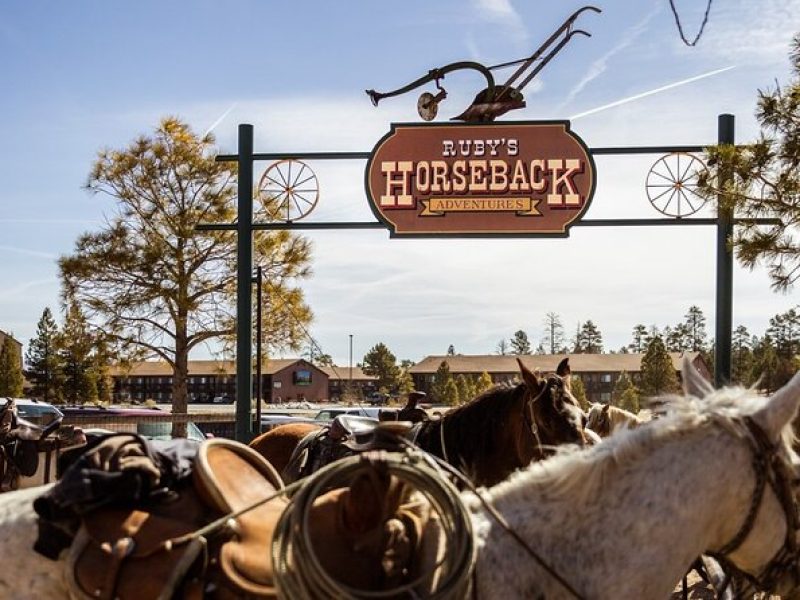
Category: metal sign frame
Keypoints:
(245, 227)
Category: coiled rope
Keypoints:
(297, 569)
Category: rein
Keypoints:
(769, 468)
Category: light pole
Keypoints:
(350, 379)
(259, 282)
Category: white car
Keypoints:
(327, 414)
(39, 412)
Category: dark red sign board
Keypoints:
(531, 178)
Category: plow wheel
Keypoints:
(288, 190)
(672, 184)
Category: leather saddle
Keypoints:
(155, 551)
(20, 443)
(345, 436)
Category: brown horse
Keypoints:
(488, 438)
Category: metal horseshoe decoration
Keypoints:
(494, 100)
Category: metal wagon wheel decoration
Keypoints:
(672, 184)
(288, 190)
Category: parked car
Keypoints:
(119, 419)
(222, 400)
(41, 413)
(328, 414)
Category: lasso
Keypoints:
(297, 570)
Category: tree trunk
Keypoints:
(180, 394)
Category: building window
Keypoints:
(605, 397)
(605, 377)
(276, 385)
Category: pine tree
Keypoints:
(590, 340)
(76, 345)
(766, 366)
(502, 347)
(450, 393)
(629, 400)
(461, 387)
(639, 342)
(520, 343)
(44, 366)
(11, 378)
(658, 375)
(441, 379)
(381, 363)
(625, 394)
(579, 392)
(406, 382)
(742, 356)
(784, 331)
(677, 339)
(695, 327)
(451, 350)
(483, 383)
(764, 183)
(155, 284)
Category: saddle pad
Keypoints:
(232, 477)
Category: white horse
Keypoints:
(623, 519)
(626, 518)
(604, 419)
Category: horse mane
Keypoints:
(619, 416)
(580, 473)
(476, 425)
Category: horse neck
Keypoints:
(640, 530)
(487, 454)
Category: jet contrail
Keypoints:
(218, 121)
(651, 92)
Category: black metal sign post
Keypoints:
(724, 317)
(245, 227)
(244, 275)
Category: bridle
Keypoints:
(530, 420)
(770, 467)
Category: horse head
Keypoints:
(551, 412)
(764, 547)
(598, 419)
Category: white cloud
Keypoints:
(503, 13)
(500, 10)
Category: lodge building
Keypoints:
(598, 372)
(282, 380)
(296, 379)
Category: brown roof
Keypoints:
(200, 367)
(336, 373)
(579, 363)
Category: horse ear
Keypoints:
(606, 407)
(780, 409)
(694, 384)
(563, 369)
(529, 378)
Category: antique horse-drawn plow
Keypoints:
(495, 99)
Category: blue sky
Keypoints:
(83, 75)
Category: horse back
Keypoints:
(278, 444)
